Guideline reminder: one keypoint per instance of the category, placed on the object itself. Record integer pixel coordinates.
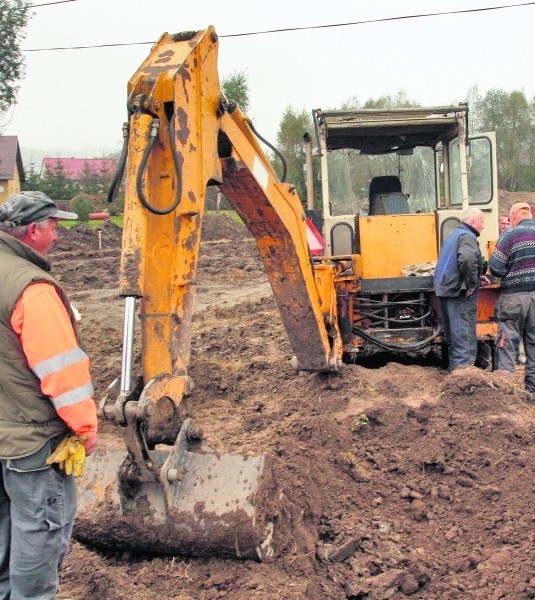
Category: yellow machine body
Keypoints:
(403, 240)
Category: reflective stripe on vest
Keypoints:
(59, 362)
(73, 396)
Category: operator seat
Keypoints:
(385, 196)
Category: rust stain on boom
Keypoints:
(282, 264)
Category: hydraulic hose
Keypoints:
(405, 347)
(277, 152)
(143, 165)
(391, 320)
(118, 177)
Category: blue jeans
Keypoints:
(37, 508)
(459, 317)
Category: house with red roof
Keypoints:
(11, 168)
(76, 169)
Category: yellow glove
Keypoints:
(70, 455)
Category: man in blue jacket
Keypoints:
(458, 275)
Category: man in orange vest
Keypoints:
(45, 402)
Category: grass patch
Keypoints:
(118, 220)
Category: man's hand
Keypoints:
(484, 280)
(90, 445)
(470, 292)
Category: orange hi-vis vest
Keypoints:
(45, 383)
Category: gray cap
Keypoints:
(30, 207)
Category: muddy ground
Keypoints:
(396, 481)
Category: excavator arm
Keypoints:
(198, 142)
(181, 137)
(274, 215)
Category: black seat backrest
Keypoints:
(392, 201)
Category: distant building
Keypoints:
(11, 168)
(74, 168)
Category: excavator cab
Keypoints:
(394, 185)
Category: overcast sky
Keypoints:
(72, 102)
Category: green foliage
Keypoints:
(526, 177)
(398, 100)
(236, 88)
(291, 144)
(361, 421)
(106, 177)
(513, 118)
(95, 181)
(89, 180)
(32, 182)
(82, 207)
(14, 15)
(510, 114)
(56, 185)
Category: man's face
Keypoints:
(478, 222)
(41, 238)
(503, 223)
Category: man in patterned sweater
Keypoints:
(513, 260)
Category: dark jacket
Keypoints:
(460, 263)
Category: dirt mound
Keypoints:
(88, 258)
(393, 482)
(507, 199)
(83, 237)
(223, 227)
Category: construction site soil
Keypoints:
(396, 481)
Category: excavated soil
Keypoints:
(394, 481)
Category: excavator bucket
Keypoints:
(200, 503)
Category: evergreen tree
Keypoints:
(105, 177)
(33, 181)
(90, 180)
(56, 185)
(82, 207)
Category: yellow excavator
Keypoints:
(170, 493)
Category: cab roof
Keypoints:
(373, 131)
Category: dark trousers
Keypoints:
(459, 317)
(515, 314)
